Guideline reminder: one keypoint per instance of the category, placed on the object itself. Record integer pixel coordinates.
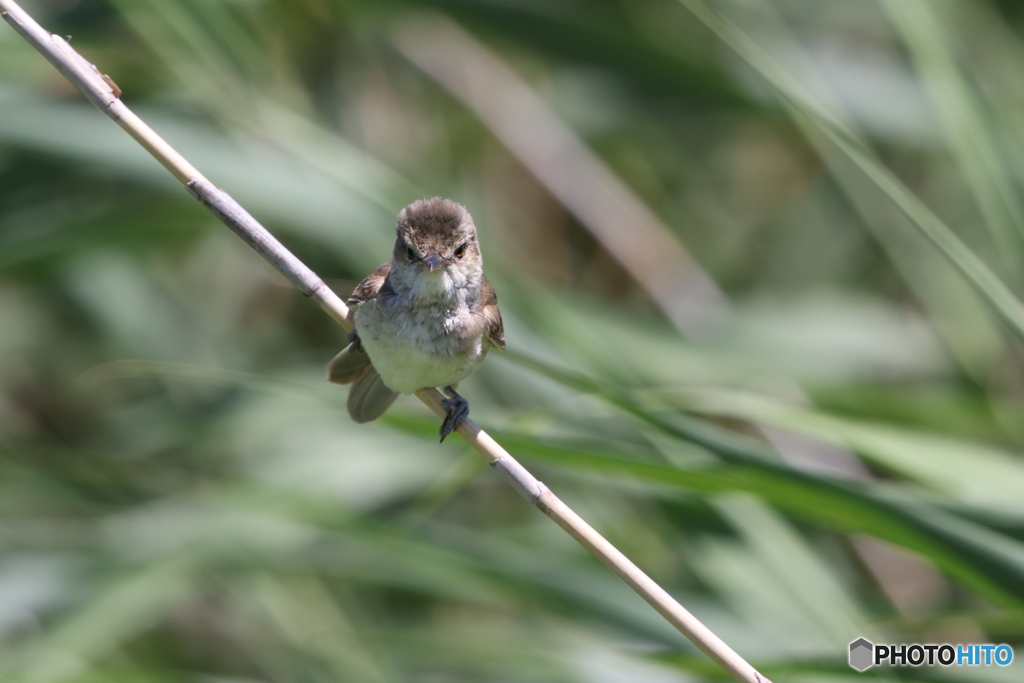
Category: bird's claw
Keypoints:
(357, 343)
(457, 410)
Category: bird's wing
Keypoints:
(370, 287)
(494, 329)
(349, 364)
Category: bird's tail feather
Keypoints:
(369, 397)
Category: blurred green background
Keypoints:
(814, 435)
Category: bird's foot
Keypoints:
(456, 409)
(357, 343)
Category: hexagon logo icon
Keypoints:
(861, 654)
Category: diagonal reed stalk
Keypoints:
(102, 92)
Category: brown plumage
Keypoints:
(425, 318)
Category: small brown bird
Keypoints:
(426, 318)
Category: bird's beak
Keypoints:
(433, 260)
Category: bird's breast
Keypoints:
(415, 346)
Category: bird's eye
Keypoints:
(411, 253)
(461, 251)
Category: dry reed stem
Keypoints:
(102, 91)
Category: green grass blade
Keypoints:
(985, 561)
(990, 563)
(803, 105)
(966, 129)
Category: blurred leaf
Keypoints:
(987, 561)
(969, 135)
(973, 473)
(803, 105)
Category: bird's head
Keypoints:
(437, 236)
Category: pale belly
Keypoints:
(409, 357)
